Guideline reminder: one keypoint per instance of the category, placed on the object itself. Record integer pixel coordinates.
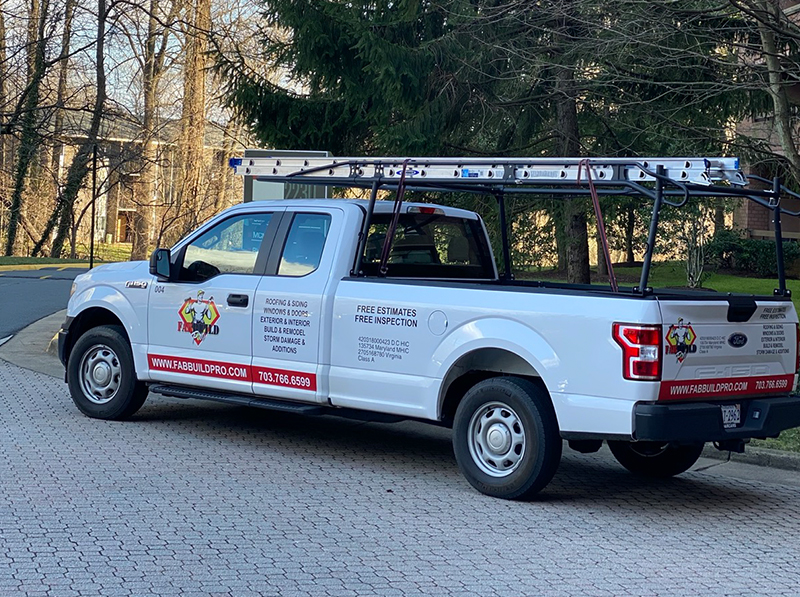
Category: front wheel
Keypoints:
(656, 459)
(506, 438)
(101, 376)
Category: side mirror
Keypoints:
(160, 265)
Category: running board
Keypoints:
(238, 399)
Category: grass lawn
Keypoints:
(672, 274)
(103, 253)
(788, 440)
(12, 260)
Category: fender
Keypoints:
(495, 332)
(109, 298)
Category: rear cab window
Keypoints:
(429, 246)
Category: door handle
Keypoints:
(238, 300)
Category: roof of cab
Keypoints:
(380, 206)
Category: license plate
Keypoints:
(731, 415)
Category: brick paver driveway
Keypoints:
(197, 498)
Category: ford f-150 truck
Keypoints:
(386, 310)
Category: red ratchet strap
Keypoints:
(600, 226)
(398, 202)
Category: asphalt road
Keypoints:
(193, 498)
(28, 295)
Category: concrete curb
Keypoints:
(33, 347)
(789, 461)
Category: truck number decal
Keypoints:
(235, 371)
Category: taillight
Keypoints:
(641, 350)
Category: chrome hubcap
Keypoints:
(100, 374)
(496, 439)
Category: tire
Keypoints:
(506, 438)
(656, 459)
(101, 376)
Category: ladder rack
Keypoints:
(661, 179)
(492, 171)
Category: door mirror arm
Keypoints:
(161, 265)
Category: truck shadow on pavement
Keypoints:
(414, 457)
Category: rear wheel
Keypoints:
(506, 438)
(101, 376)
(655, 459)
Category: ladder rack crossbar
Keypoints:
(482, 171)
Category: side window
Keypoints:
(304, 243)
(230, 247)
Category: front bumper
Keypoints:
(702, 421)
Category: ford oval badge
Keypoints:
(737, 340)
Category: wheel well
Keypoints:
(88, 319)
(473, 368)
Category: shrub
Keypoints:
(730, 250)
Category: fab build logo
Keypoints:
(680, 340)
(198, 317)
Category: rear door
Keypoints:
(288, 322)
(728, 349)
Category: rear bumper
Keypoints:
(702, 421)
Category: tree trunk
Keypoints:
(79, 167)
(145, 189)
(221, 169)
(568, 145)
(560, 233)
(719, 215)
(30, 140)
(58, 126)
(630, 226)
(191, 164)
(112, 199)
(3, 106)
(602, 266)
(777, 85)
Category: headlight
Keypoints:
(73, 289)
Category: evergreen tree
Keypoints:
(494, 77)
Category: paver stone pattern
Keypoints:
(192, 498)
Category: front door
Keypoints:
(199, 327)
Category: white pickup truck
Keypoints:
(262, 306)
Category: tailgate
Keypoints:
(727, 348)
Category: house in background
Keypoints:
(119, 170)
(755, 220)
